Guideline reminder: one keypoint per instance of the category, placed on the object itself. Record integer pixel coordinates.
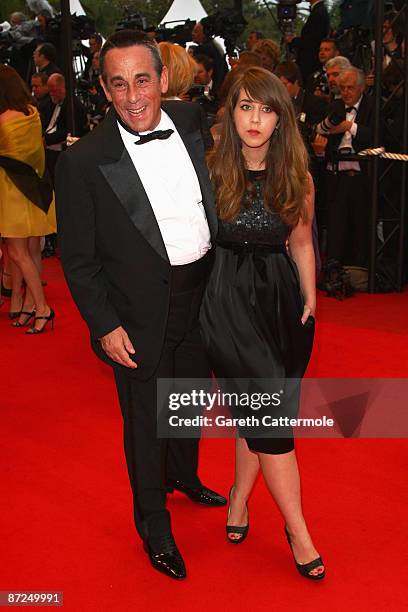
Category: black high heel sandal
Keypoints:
(28, 315)
(33, 330)
(305, 568)
(242, 531)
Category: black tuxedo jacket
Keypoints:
(364, 119)
(112, 251)
(61, 133)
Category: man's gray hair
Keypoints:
(342, 62)
(361, 79)
(20, 17)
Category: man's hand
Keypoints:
(319, 145)
(344, 126)
(117, 346)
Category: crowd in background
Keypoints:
(329, 81)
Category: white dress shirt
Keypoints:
(347, 140)
(52, 127)
(171, 184)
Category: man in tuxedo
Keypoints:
(348, 130)
(307, 45)
(136, 222)
(54, 117)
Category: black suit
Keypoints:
(307, 45)
(119, 274)
(349, 193)
(60, 135)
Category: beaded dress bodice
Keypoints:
(254, 224)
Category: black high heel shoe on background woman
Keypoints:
(232, 529)
(28, 316)
(305, 568)
(47, 318)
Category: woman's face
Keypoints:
(255, 122)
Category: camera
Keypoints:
(228, 24)
(132, 21)
(180, 34)
(320, 82)
(287, 12)
(331, 121)
(83, 27)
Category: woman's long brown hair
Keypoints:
(14, 93)
(286, 181)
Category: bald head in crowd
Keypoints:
(56, 88)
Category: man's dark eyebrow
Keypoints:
(117, 77)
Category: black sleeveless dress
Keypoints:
(251, 311)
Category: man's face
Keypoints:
(388, 36)
(95, 61)
(42, 21)
(14, 20)
(251, 40)
(350, 90)
(38, 57)
(198, 34)
(56, 90)
(293, 88)
(39, 90)
(202, 77)
(93, 45)
(133, 86)
(327, 51)
(333, 74)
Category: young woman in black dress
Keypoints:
(258, 311)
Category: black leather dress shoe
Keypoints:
(165, 557)
(200, 496)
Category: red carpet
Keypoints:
(66, 517)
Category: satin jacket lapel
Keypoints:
(120, 173)
(194, 146)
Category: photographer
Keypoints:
(310, 110)
(95, 45)
(203, 80)
(317, 83)
(56, 132)
(44, 57)
(18, 43)
(333, 68)
(307, 45)
(207, 46)
(348, 129)
(39, 88)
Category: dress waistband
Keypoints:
(251, 247)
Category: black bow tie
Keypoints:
(157, 135)
(350, 108)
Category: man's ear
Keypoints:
(164, 80)
(105, 89)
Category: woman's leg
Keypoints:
(34, 246)
(20, 255)
(16, 300)
(246, 471)
(281, 475)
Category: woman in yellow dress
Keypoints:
(23, 213)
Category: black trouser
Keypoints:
(348, 218)
(151, 460)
